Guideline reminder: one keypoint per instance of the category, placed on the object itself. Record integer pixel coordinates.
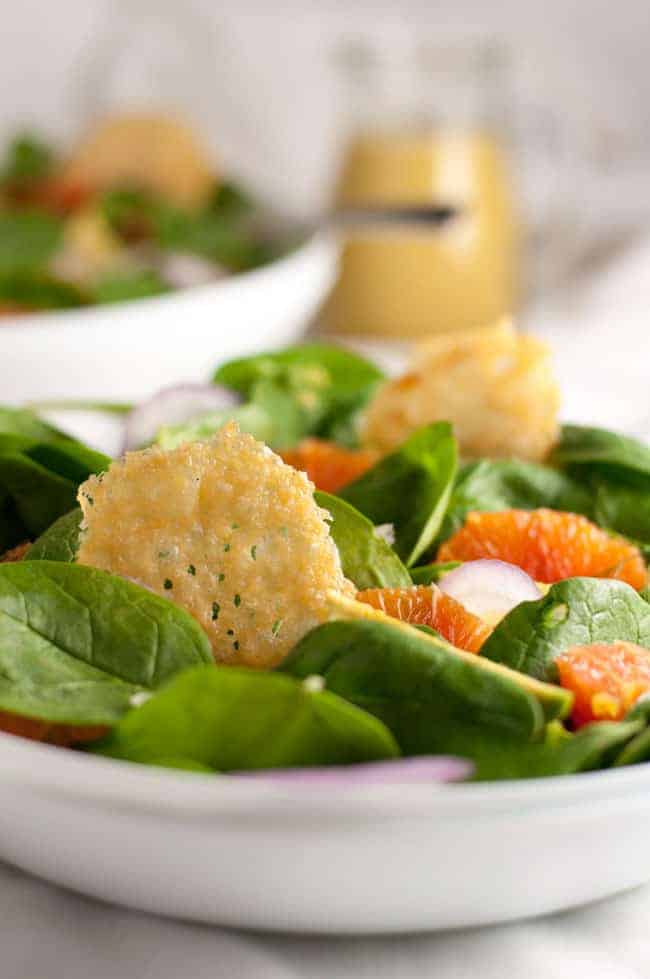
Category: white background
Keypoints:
(257, 75)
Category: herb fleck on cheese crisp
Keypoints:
(231, 504)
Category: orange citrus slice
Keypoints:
(606, 679)
(548, 544)
(427, 605)
(329, 466)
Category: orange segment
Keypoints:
(59, 734)
(329, 466)
(548, 544)
(15, 554)
(427, 605)
(606, 679)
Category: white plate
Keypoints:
(271, 856)
(128, 350)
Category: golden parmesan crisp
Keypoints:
(89, 248)
(150, 151)
(496, 387)
(226, 530)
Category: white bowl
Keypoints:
(128, 350)
(282, 857)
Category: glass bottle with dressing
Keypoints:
(424, 195)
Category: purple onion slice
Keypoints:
(489, 588)
(423, 769)
(174, 406)
(183, 270)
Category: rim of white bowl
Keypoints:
(320, 243)
(171, 793)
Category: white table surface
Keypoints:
(45, 933)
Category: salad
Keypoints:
(270, 582)
(137, 209)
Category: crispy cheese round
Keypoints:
(226, 530)
(496, 387)
(157, 152)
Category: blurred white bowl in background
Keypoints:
(127, 351)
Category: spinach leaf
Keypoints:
(272, 416)
(428, 574)
(430, 695)
(367, 560)
(131, 212)
(60, 542)
(576, 611)
(26, 424)
(40, 470)
(134, 285)
(38, 290)
(28, 239)
(637, 748)
(505, 484)
(214, 236)
(27, 161)
(623, 509)
(329, 384)
(33, 497)
(228, 719)
(313, 366)
(410, 489)
(76, 643)
(68, 458)
(595, 451)
(595, 746)
(230, 200)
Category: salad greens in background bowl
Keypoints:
(134, 262)
(423, 753)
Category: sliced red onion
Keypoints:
(174, 406)
(182, 270)
(401, 771)
(489, 588)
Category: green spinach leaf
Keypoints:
(314, 366)
(594, 747)
(328, 384)
(584, 450)
(272, 416)
(367, 560)
(428, 694)
(37, 290)
(76, 643)
(40, 470)
(430, 574)
(623, 509)
(134, 285)
(227, 719)
(410, 489)
(34, 495)
(213, 235)
(504, 484)
(231, 200)
(27, 161)
(28, 239)
(22, 423)
(574, 612)
(60, 542)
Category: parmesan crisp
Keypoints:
(495, 386)
(227, 531)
